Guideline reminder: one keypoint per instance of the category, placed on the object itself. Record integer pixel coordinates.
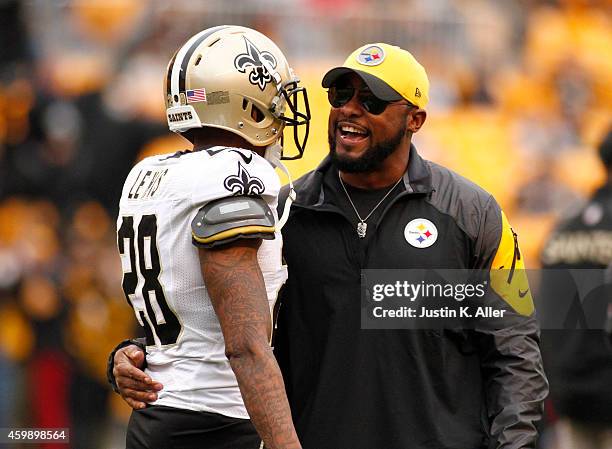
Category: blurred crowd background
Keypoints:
(521, 94)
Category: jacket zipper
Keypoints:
(516, 256)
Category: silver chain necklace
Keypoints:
(362, 226)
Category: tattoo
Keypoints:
(237, 290)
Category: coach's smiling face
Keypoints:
(359, 140)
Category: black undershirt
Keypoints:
(364, 200)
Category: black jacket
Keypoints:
(397, 389)
(578, 360)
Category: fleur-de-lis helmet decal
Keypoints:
(263, 63)
(243, 183)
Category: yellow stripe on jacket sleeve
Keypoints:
(508, 275)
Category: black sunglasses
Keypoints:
(339, 96)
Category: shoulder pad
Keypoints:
(228, 219)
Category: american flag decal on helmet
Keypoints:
(196, 95)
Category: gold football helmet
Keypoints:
(235, 78)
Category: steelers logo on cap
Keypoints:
(421, 233)
(372, 55)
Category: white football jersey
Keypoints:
(161, 269)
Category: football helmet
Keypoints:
(235, 78)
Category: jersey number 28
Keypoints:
(165, 323)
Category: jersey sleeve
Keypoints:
(234, 194)
(233, 172)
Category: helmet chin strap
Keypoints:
(273, 155)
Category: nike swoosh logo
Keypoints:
(244, 158)
(522, 294)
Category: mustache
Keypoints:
(335, 126)
(347, 121)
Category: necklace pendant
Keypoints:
(361, 229)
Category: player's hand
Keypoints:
(135, 387)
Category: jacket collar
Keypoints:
(309, 188)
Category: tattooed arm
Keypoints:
(237, 290)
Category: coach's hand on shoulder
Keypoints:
(135, 387)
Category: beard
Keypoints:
(371, 159)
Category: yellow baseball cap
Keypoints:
(390, 72)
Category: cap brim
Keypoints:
(378, 87)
